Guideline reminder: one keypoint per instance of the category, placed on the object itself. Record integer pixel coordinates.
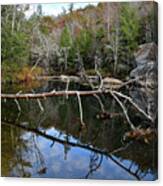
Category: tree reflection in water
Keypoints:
(96, 156)
(31, 137)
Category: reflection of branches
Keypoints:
(40, 119)
(20, 164)
(94, 164)
(53, 138)
(136, 173)
(84, 146)
(39, 156)
(142, 175)
(125, 168)
(18, 116)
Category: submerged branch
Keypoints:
(100, 102)
(39, 102)
(40, 105)
(67, 86)
(133, 103)
(80, 108)
(18, 105)
(124, 110)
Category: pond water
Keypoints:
(52, 144)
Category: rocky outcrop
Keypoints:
(145, 90)
(146, 65)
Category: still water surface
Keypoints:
(59, 148)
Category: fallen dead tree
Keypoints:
(45, 95)
(66, 93)
(59, 78)
(106, 82)
(110, 85)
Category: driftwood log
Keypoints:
(108, 82)
(44, 95)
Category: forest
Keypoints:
(75, 40)
(98, 62)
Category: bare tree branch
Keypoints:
(18, 105)
(100, 102)
(124, 110)
(133, 103)
(98, 72)
(49, 94)
(39, 102)
(80, 108)
(35, 65)
(67, 86)
(40, 105)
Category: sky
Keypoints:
(56, 8)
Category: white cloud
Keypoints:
(32, 9)
(56, 8)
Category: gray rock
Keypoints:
(145, 94)
(146, 64)
(145, 53)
